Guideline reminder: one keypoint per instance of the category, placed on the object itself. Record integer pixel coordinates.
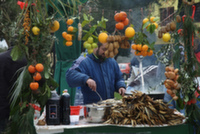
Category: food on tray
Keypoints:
(140, 109)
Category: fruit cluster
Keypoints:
(113, 44)
(36, 72)
(121, 19)
(151, 21)
(67, 36)
(142, 50)
(90, 45)
(171, 82)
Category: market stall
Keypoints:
(114, 129)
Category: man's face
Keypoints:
(101, 51)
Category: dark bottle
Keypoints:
(53, 109)
(65, 108)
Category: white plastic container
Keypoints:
(74, 119)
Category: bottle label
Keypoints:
(53, 111)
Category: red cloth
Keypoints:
(198, 56)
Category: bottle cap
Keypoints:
(65, 91)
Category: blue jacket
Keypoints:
(106, 74)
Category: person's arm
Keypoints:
(74, 76)
(119, 81)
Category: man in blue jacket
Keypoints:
(95, 72)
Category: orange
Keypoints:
(155, 24)
(137, 53)
(31, 69)
(145, 20)
(145, 48)
(68, 43)
(144, 53)
(68, 37)
(150, 52)
(55, 26)
(151, 19)
(64, 34)
(69, 21)
(34, 85)
(119, 26)
(39, 67)
(126, 22)
(122, 16)
(37, 76)
(116, 17)
(139, 47)
(129, 32)
(70, 28)
(134, 47)
(103, 37)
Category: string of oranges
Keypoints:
(36, 72)
(67, 36)
(142, 50)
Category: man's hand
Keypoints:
(122, 91)
(92, 84)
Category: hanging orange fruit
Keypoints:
(39, 67)
(68, 43)
(31, 69)
(34, 85)
(37, 76)
(69, 21)
(119, 26)
(70, 28)
(103, 37)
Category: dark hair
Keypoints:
(99, 44)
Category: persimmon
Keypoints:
(70, 21)
(68, 37)
(31, 69)
(122, 15)
(37, 76)
(68, 43)
(39, 67)
(55, 26)
(126, 22)
(64, 34)
(34, 85)
(70, 28)
(119, 26)
(116, 17)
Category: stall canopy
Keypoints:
(65, 55)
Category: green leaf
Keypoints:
(15, 53)
(85, 37)
(91, 18)
(151, 28)
(85, 22)
(156, 19)
(85, 17)
(145, 25)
